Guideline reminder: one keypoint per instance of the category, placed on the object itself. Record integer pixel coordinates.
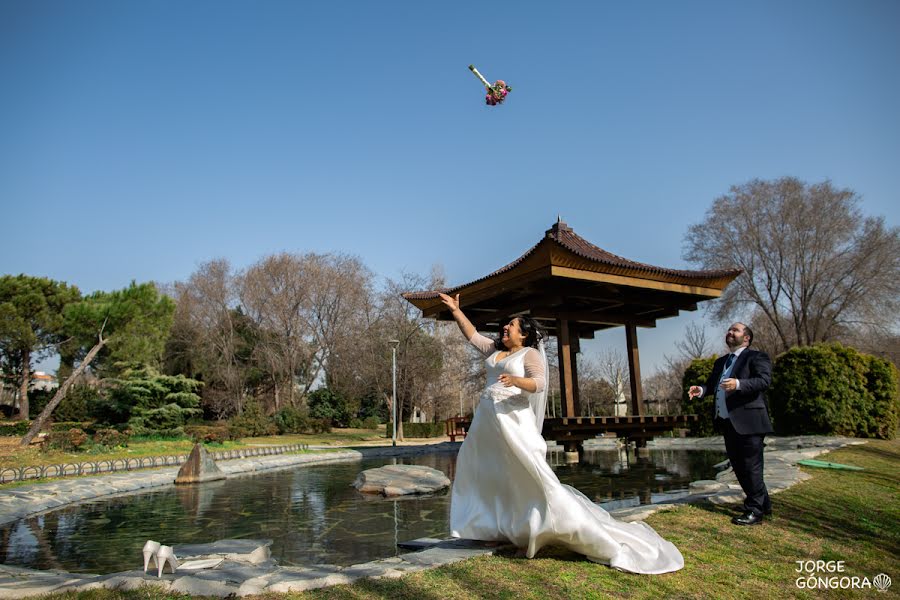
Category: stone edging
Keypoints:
(240, 574)
(10, 474)
(243, 572)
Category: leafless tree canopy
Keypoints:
(662, 389)
(292, 322)
(204, 341)
(694, 343)
(597, 391)
(814, 266)
(603, 381)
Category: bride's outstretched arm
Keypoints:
(481, 343)
(462, 321)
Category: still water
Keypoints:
(312, 514)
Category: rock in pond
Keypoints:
(400, 480)
(199, 468)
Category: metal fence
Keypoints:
(8, 474)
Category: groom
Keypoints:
(738, 381)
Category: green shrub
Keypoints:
(355, 423)
(158, 435)
(698, 373)
(149, 401)
(86, 426)
(38, 400)
(830, 389)
(252, 422)
(208, 434)
(292, 420)
(883, 382)
(370, 423)
(79, 404)
(372, 404)
(71, 440)
(319, 426)
(421, 430)
(327, 404)
(18, 428)
(110, 438)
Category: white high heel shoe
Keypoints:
(166, 555)
(150, 550)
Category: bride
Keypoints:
(504, 490)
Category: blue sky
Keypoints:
(140, 139)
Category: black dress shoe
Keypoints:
(748, 518)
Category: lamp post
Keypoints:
(394, 344)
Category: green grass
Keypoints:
(852, 516)
(27, 457)
(13, 456)
(337, 437)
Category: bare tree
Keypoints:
(812, 264)
(205, 339)
(597, 393)
(340, 290)
(694, 343)
(360, 362)
(461, 374)
(420, 352)
(884, 344)
(308, 306)
(661, 396)
(613, 367)
(275, 293)
(663, 387)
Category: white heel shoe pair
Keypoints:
(160, 555)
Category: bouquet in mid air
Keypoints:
(496, 92)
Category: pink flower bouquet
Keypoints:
(496, 93)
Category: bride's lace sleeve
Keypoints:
(534, 368)
(485, 345)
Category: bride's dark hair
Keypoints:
(530, 329)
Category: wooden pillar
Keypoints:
(566, 387)
(575, 349)
(634, 371)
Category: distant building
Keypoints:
(9, 390)
(42, 381)
(417, 416)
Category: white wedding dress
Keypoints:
(504, 490)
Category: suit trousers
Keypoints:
(745, 452)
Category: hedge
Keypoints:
(419, 430)
(209, 434)
(830, 389)
(698, 373)
(15, 428)
(86, 426)
(826, 389)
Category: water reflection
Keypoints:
(312, 514)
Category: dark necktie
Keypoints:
(728, 362)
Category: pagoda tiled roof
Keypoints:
(602, 260)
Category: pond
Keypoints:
(311, 513)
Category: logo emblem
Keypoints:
(882, 582)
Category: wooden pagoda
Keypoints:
(573, 289)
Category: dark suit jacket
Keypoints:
(747, 406)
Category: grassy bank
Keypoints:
(11, 455)
(852, 516)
